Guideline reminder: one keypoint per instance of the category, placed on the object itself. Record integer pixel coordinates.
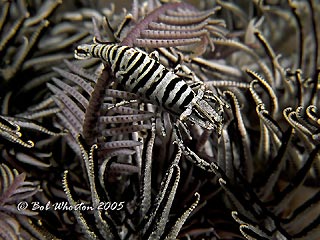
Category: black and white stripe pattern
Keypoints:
(145, 76)
(139, 73)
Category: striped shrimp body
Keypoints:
(139, 73)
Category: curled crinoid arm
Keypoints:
(251, 230)
(173, 25)
(301, 130)
(304, 130)
(181, 220)
(303, 116)
(11, 132)
(273, 97)
(18, 130)
(33, 125)
(308, 120)
(27, 133)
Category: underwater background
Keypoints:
(77, 163)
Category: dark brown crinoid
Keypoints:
(66, 136)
